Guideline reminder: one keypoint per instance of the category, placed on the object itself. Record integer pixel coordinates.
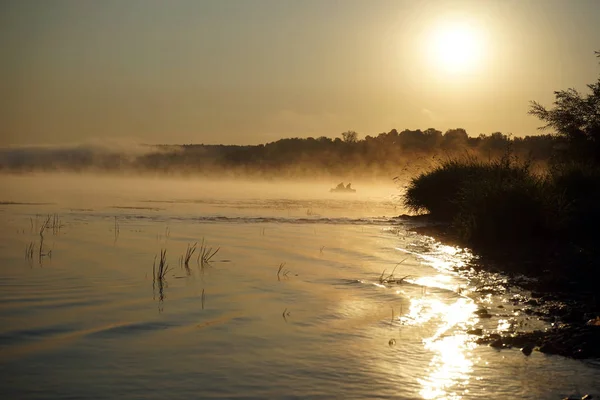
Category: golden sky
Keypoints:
(253, 71)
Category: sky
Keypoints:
(254, 71)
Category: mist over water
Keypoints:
(88, 190)
(295, 304)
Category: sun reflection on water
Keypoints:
(451, 365)
(450, 368)
(442, 313)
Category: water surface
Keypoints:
(89, 321)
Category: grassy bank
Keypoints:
(501, 208)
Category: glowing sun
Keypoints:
(456, 47)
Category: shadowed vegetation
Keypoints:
(502, 206)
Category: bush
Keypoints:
(501, 210)
(502, 204)
(579, 185)
(442, 191)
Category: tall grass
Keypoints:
(439, 191)
(160, 272)
(188, 254)
(499, 203)
(205, 254)
(29, 251)
(391, 279)
(45, 225)
(282, 272)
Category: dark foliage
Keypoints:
(576, 119)
(502, 206)
(385, 155)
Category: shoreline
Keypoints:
(573, 312)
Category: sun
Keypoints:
(456, 47)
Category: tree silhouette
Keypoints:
(455, 138)
(350, 136)
(576, 119)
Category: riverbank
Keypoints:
(568, 302)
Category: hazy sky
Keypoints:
(252, 71)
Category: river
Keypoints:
(311, 295)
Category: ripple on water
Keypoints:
(17, 337)
(335, 341)
(133, 328)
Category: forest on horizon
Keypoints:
(381, 156)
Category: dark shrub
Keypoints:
(441, 192)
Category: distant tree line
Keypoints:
(380, 155)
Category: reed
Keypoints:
(160, 272)
(391, 279)
(205, 254)
(282, 272)
(56, 224)
(285, 314)
(116, 229)
(188, 254)
(43, 228)
(29, 251)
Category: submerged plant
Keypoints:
(205, 254)
(188, 254)
(56, 224)
(160, 273)
(391, 279)
(285, 314)
(29, 251)
(43, 228)
(117, 229)
(282, 272)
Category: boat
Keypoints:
(343, 189)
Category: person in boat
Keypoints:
(348, 186)
(340, 186)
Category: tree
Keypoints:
(576, 119)
(350, 136)
(455, 138)
(433, 138)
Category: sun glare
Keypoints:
(456, 48)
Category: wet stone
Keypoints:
(483, 313)
(477, 331)
(527, 349)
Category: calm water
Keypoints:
(87, 321)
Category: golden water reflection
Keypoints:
(450, 369)
(451, 366)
